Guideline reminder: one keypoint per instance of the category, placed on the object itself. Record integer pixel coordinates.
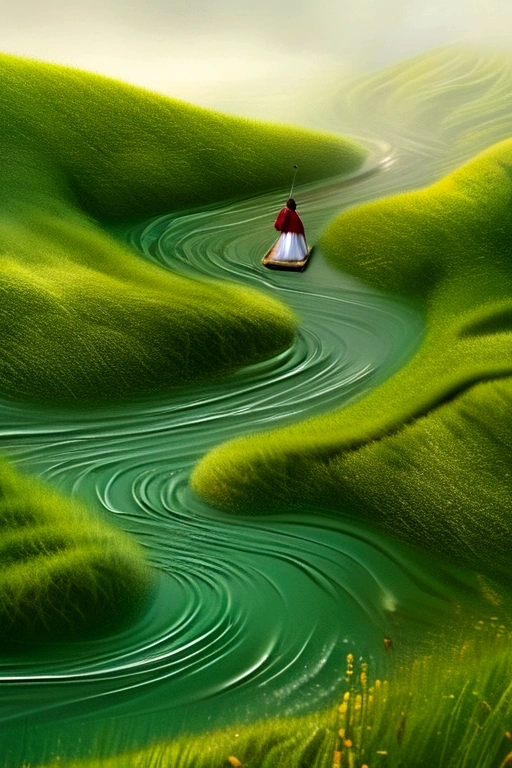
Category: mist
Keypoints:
(255, 58)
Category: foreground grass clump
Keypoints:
(305, 742)
(82, 317)
(63, 575)
(426, 456)
(450, 708)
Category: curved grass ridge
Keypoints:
(426, 455)
(82, 318)
(63, 575)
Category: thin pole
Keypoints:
(293, 182)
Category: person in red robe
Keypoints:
(291, 245)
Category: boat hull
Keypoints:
(271, 262)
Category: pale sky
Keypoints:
(230, 53)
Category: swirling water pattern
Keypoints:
(249, 617)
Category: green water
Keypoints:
(249, 618)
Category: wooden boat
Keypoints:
(294, 266)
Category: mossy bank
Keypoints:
(64, 575)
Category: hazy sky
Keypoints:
(199, 48)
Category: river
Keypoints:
(250, 617)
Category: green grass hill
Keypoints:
(63, 574)
(427, 455)
(82, 317)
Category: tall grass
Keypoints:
(440, 477)
(63, 574)
(82, 318)
(450, 709)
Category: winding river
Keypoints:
(250, 617)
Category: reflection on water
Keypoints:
(249, 617)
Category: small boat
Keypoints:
(294, 266)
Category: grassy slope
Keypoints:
(83, 318)
(63, 575)
(441, 477)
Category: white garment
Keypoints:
(291, 247)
